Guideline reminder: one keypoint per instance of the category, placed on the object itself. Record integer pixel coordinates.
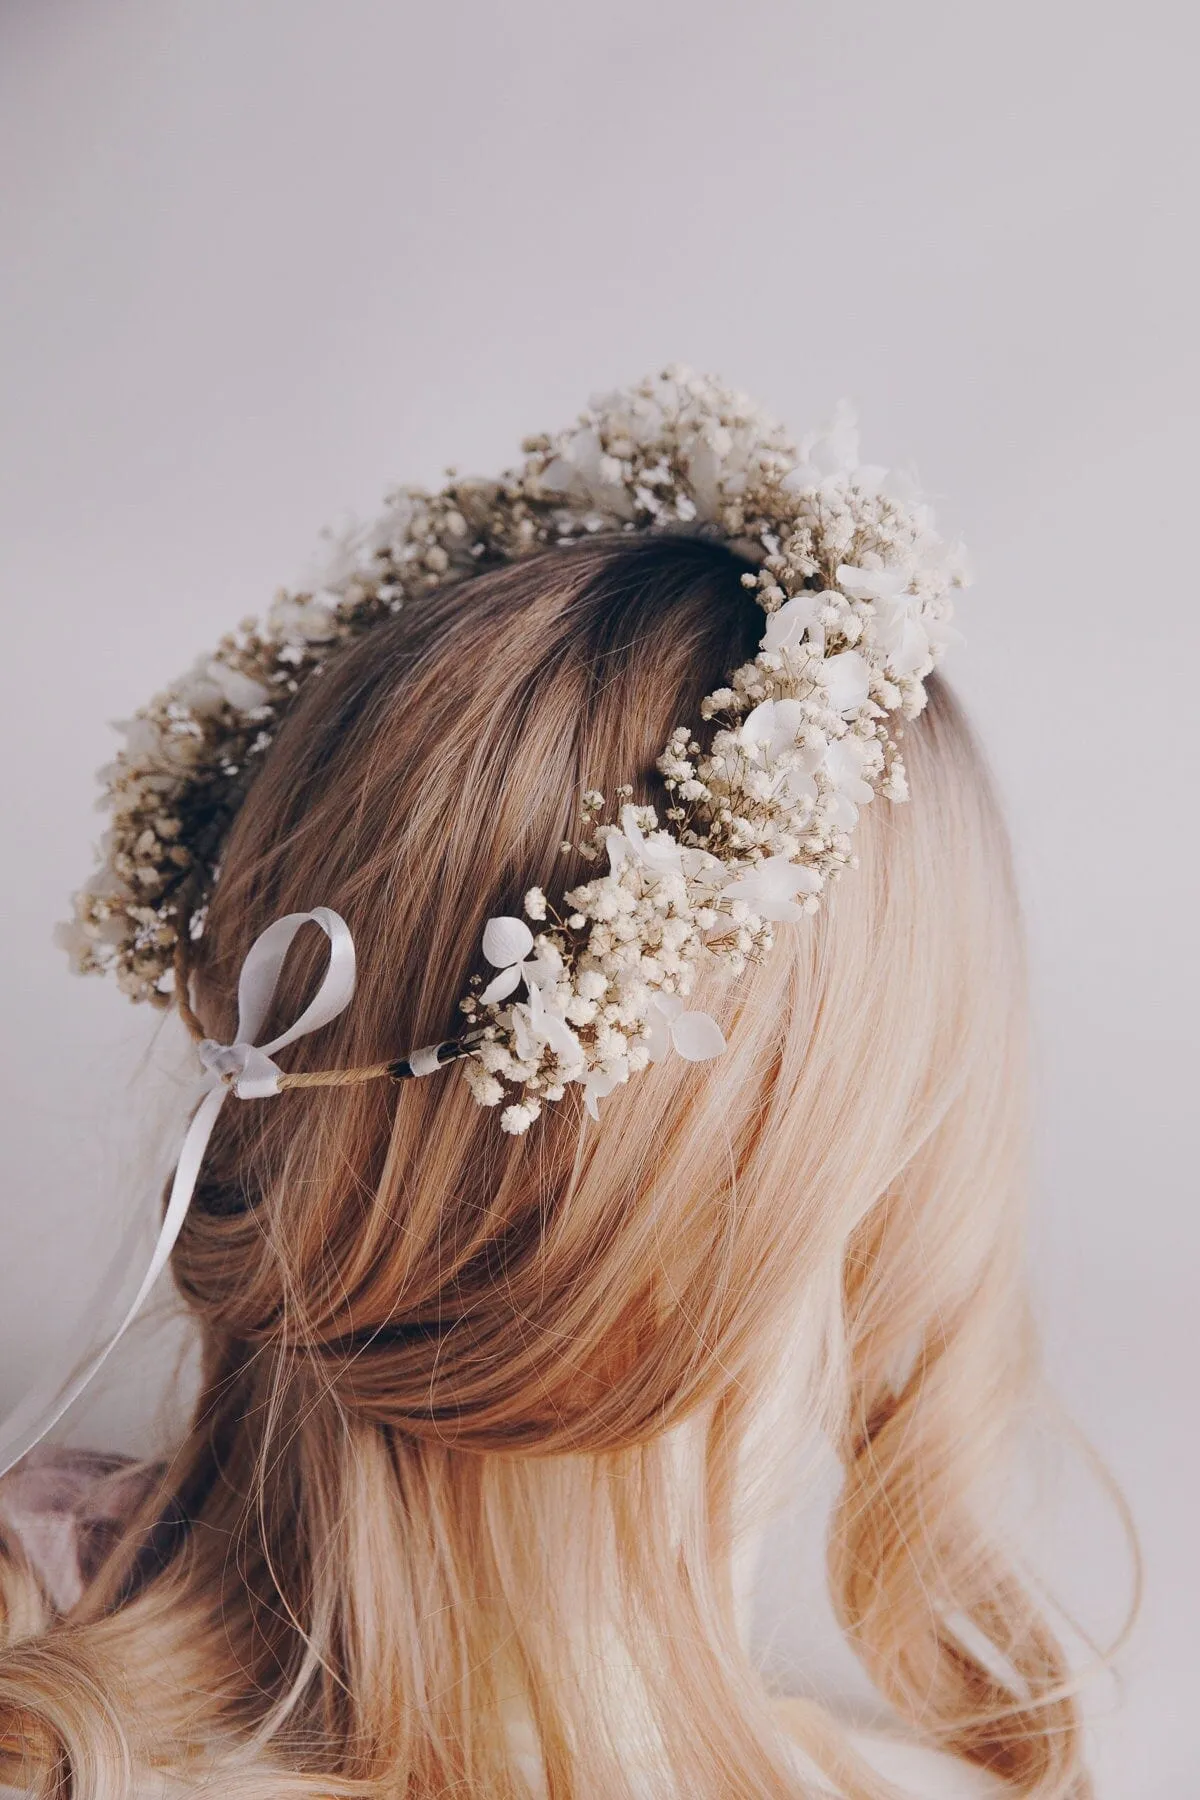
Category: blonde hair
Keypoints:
(474, 1409)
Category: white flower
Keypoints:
(900, 630)
(538, 1023)
(828, 454)
(908, 636)
(845, 759)
(905, 630)
(485, 1088)
(872, 584)
(847, 681)
(894, 786)
(213, 684)
(508, 946)
(601, 1082)
(696, 1036)
(303, 618)
(76, 938)
(770, 888)
(517, 1119)
(535, 903)
(582, 467)
(700, 866)
(657, 855)
(773, 726)
(788, 624)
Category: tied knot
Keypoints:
(245, 1068)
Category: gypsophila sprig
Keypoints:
(763, 790)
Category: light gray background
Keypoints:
(262, 256)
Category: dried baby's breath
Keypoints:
(764, 791)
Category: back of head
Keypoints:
(476, 1406)
(552, 1293)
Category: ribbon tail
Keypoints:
(40, 1411)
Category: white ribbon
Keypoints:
(244, 1068)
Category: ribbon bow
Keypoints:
(243, 1068)
(246, 1066)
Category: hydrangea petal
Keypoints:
(912, 648)
(658, 1035)
(871, 584)
(847, 681)
(506, 940)
(758, 727)
(697, 1036)
(787, 625)
(502, 985)
(844, 761)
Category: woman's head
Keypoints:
(593, 1284)
(436, 1462)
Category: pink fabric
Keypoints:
(66, 1508)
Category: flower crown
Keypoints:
(764, 790)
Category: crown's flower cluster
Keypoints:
(764, 790)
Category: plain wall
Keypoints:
(261, 257)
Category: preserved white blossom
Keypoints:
(761, 794)
(519, 1117)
